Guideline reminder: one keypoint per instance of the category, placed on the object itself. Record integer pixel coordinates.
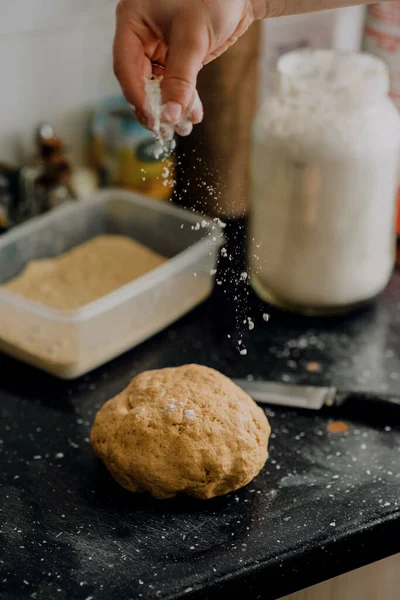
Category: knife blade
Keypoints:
(312, 397)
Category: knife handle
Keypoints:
(383, 406)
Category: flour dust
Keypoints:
(233, 273)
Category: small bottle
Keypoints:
(46, 183)
(9, 197)
(53, 184)
(5, 205)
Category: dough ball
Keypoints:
(183, 430)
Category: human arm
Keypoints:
(183, 36)
(281, 8)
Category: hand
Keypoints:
(181, 36)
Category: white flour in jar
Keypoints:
(325, 167)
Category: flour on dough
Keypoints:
(184, 430)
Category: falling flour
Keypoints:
(165, 145)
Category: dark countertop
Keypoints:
(324, 504)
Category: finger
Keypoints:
(184, 129)
(220, 50)
(187, 49)
(240, 30)
(131, 66)
(167, 132)
(196, 111)
(141, 118)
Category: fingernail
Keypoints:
(171, 113)
(184, 129)
(197, 104)
(197, 113)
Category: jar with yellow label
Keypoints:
(126, 153)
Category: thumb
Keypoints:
(186, 52)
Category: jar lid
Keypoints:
(343, 78)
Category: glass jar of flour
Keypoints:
(324, 180)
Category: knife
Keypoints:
(313, 398)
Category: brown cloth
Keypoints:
(214, 161)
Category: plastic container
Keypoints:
(71, 343)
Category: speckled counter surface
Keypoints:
(324, 504)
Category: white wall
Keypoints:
(55, 61)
